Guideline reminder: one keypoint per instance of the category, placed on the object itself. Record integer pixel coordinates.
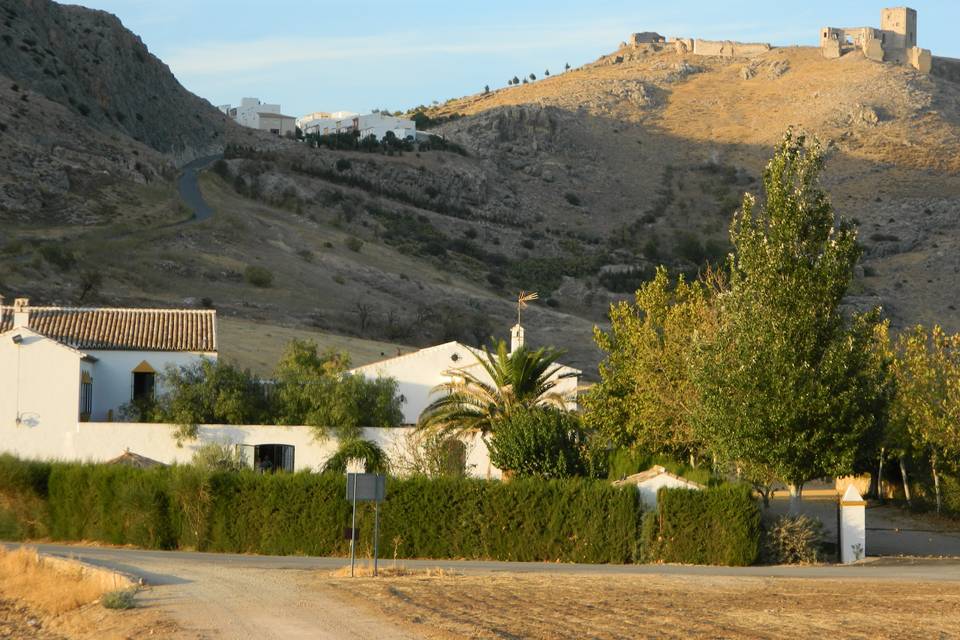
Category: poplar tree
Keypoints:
(791, 385)
(927, 403)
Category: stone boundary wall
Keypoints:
(729, 48)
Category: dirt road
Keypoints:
(238, 596)
(232, 602)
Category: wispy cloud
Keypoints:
(264, 53)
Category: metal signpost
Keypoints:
(365, 487)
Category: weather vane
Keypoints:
(522, 301)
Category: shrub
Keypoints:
(719, 525)
(343, 165)
(572, 198)
(60, 257)
(258, 276)
(215, 456)
(544, 442)
(793, 540)
(354, 244)
(120, 599)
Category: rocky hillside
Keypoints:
(84, 104)
(576, 186)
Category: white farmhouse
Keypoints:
(370, 124)
(61, 365)
(258, 115)
(649, 482)
(419, 372)
(66, 372)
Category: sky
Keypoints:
(358, 55)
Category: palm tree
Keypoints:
(475, 402)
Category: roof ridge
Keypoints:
(125, 309)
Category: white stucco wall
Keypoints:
(101, 441)
(42, 378)
(648, 488)
(419, 372)
(113, 375)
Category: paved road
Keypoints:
(189, 189)
(161, 567)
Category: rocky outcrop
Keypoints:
(88, 61)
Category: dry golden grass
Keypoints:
(652, 606)
(41, 599)
(23, 575)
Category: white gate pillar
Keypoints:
(853, 526)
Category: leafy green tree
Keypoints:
(516, 80)
(317, 389)
(789, 384)
(533, 77)
(927, 402)
(374, 458)
(545, 442)
(646, 399)
(209, 392)
(566, 67)
(547, 72)
(474, 402)
(486, 89)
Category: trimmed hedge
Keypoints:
(185, 507)
(306, 513)
(719, 525)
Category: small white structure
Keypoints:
(371, 124)
(419, 372)
(258, 115)
(853, 526)
(650, 481)
(61, 365)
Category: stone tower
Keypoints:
(899, 25)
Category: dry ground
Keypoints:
(564, 606)
(38, 602)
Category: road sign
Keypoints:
(365, 487)
(370, 487)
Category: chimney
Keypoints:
(21, 315)
(516, 337)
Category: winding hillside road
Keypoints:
(189, 188)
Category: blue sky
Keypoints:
(359, 54)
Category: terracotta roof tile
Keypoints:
(123, 329)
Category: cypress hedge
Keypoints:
(185, 507)
(719, 525)
(306, 513)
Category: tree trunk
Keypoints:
(903, 475)
(880, 477)
(936, 479)
(693, 461)
(796, 495)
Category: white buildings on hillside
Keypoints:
(258, 115)
(419, 372)
(63, 365)
(375, 124)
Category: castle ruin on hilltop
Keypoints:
(895, 40)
